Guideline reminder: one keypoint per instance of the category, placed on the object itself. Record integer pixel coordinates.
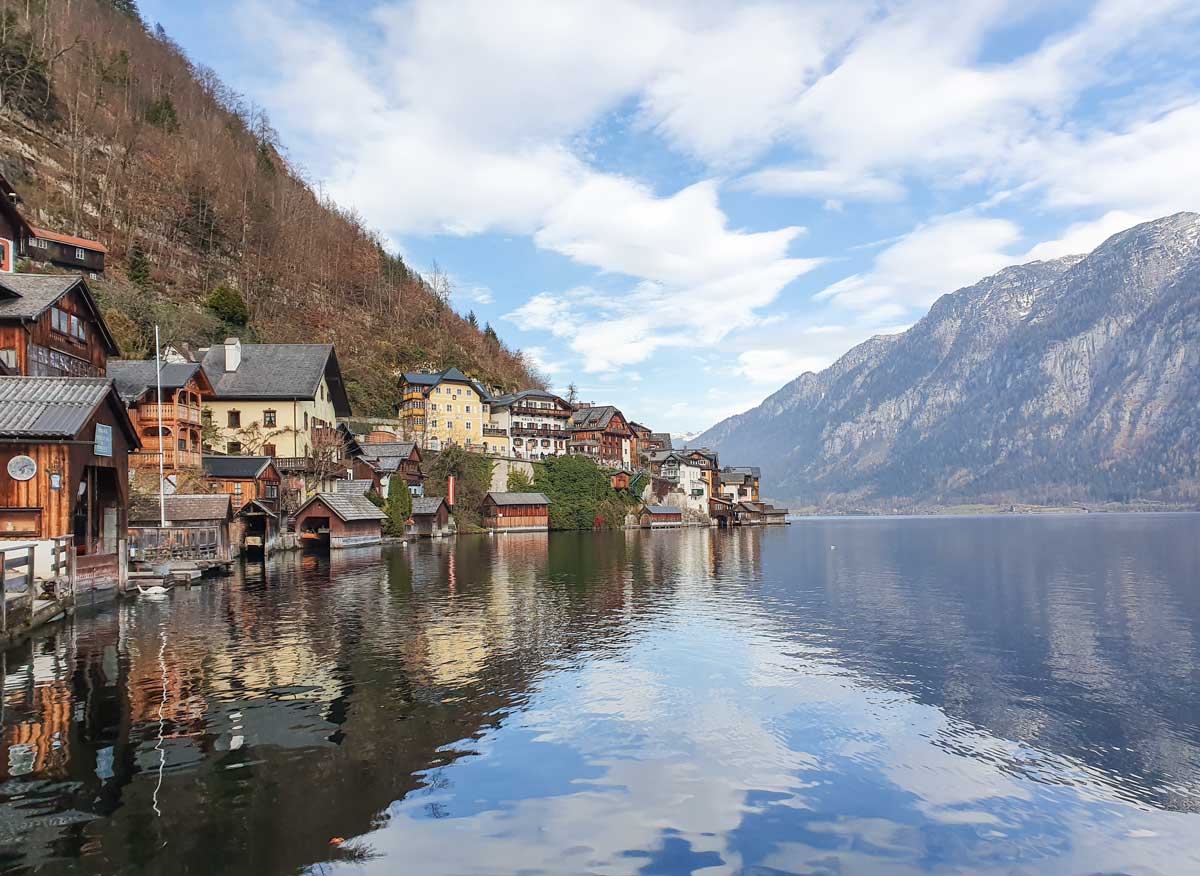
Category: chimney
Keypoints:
(233, 354)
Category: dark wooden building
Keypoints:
(50, 326)
(66, 251)
(600, 431)
(245, 478)
(658, 516)
(14, 230)
(339, 520)
(197, 527)
(516, 512)
(430, 517)
(64, 470)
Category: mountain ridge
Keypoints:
(1034, 384)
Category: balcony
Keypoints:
(494, 432)
(171, 413)
(524, 410)
(173, 459)
(540, 432)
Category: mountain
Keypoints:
(1054, 381)
(109, 132)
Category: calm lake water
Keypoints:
(1002, 696)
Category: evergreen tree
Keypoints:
(398, 507)
(229, 305)
(161, 113)
(139, 268)
(519, 482)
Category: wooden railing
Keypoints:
(16, 573)
(173, 459)
(171, 412)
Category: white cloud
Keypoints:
(776, 367)
(545, 312)
(935, 258)
(846, 185)
(1083, 237)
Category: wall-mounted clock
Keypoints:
(22, 468)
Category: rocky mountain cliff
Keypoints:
(109, 131)
(1069, 380)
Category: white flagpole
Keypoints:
(162, 498)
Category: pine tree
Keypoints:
(399, 505)
(139, 268)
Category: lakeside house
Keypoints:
(530, 424)
(601, 432)
(339, 520)
(740, 483)
(184, 388)
(443, 408)
(254, 486)
(380, 461)
(516, 512)
(64, 452)
(659, 516)
(50, 326)
(197, 527)
(430, 517)
(277, 400)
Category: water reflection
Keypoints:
(1010, 696)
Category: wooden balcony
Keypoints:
(173, 460)
(171, 413)
(524, 410)
(540, 432)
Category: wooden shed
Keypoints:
(516, 512)
(658, 516)
(430, 517)
(339, 520)
(64, 473)
(197, 527)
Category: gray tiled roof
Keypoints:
(424, 505)
(593, 418)
(134, 376)
(357, 488)
(349, 507)
(402, 449)
(662, 436)
(662, 509)
(744, 470)
(235, 467)
(276, 371)
(182, 508)
(512, 397)
(36, 292)
(49, 407)
(518, 498)
(454, 375)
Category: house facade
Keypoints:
(602, 432)
(531, 424)
(689, 479)
(277, 400)
(50, 326)
(14, 230)
(64, 473)
(173, 428)
(443, 408)
(380, 461)
(66, 251)
(246, 479)
(740, 483)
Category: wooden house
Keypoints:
(751, 514)
(246, 479)
(184, 387)
(773, 516)
(722, 510)
(659, 516)
(430, 518)
(621, 479)
(196, 527)
(64, 473)
(339, 520)
(382, 460)
(66, 251)
(50, 326)
(516, 512)
(601, 431)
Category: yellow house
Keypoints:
(443, 408)
(271, 399)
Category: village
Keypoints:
(121, 473)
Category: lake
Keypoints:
(1005, 695)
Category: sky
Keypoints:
(681, 206)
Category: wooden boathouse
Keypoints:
(197, 528)
(516, 512)
(660, 517)
(339, 520)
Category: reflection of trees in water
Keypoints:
(1078, 636)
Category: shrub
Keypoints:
(229, 305)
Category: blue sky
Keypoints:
(681, 206)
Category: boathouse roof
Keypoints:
(518, 498)
(425, 505)
(54, 407)
(235, 467)
(357, 488)
(659, 510)
(347, 506)
(182, 508)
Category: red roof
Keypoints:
(81, 242)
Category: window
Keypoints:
(306, 421)
(268, 418)
(271, 491)
(468, 424)
(183, 443)
(237, 490)
(235, 420)
(268, 450)
(433, 406)
(433, 424)
(467, 408)
(233, 447)
(80, 254)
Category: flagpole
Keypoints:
(162, 498)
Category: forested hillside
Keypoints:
(108, 131)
